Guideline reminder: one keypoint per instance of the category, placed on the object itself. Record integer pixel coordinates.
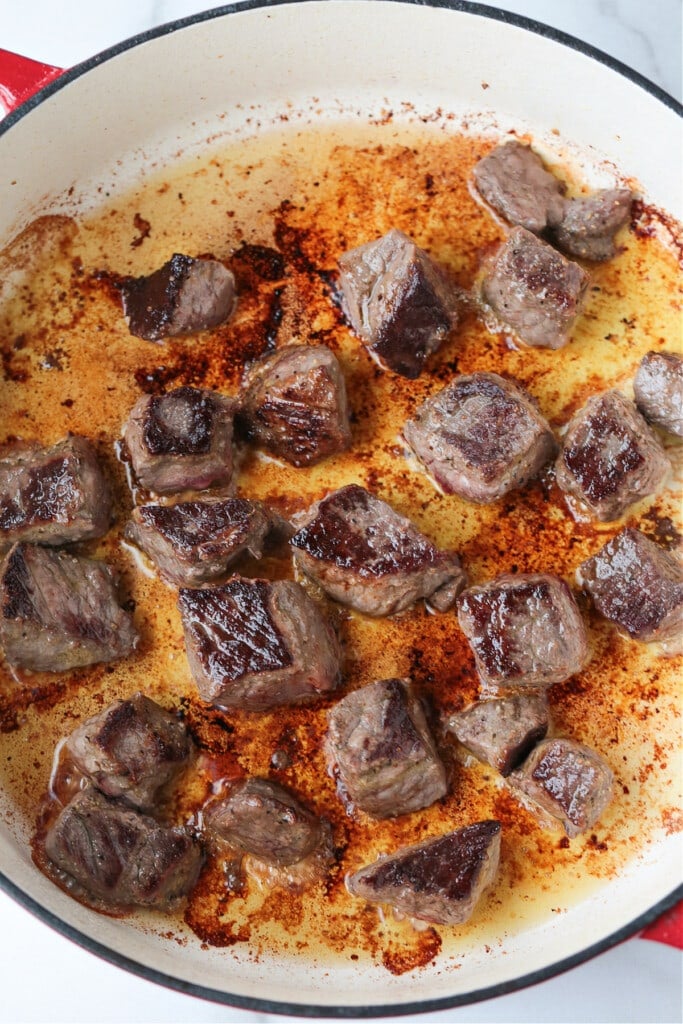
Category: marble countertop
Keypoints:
(47, 978)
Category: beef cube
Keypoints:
(658, 389)
(294, 404)
(566, 780)
(184, 296)
(181, 440)
(610, 457)
(119, 858)
(513, 180)
(534, 290)
(254, 644)
(60, 611)
(131, 750)
(480, 437)
(380, 745)
(589, 223)
(366, 555)
(439, 880)
(637, 585)
(502, 732)
(525, 630)
(55, 495)
(398, 301)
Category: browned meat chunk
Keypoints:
(658, 389)
(534, 290)
(366, 555)
(589, 223)
(525, 630)
(59, 611)
(294, 404)
(502, 732)
(567, 781)
(131, 750)
(610, 457)
(398, 301)
(514, 181)
(637, 585)
(254, 644)
(480, 437)
(183, 296)
(380, 745)
(439, 880)
(181, 440)
(119, 858)
(54, 495)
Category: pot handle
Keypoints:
(668, 928)
(20, 78)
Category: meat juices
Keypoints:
(181, 440)
(255, 644)
(525, 630)
(60, 611)
(534, 290)
(514, 181)
(439, 880)
(380, 745)
(658, 389)
(610, 457)
(184, 296)
(398, 301)
(366, 555)
(589, 223)
(480, 437)
(294, 404)
(52, 495)
(502, 732)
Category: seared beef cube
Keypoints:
(514, 181)
(254, 644)
(131, 750)
(380, 745)
(658, 389)
(181, 440)
(119, 857)
(60, 611)
(637, 585)
(589, 223)
(534, 290)
(398, 301)
(294, 404)
(366, 555)
(566, 780)
(610, 457)
(55, 495)
(480, 437)
(502, 732)
(525, 630)
(439, 880)
(183, 296)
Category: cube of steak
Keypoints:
(525, 630)
(566, 780)
(637, 585)
(366, 555)
(379, 743)
(658, 388)
(610, 457)
(398, 301)
(255, 644)
(294, 404)
(534, 290)
(183, 296)
(60, 611)
(181, 440)
(439, 880)
(131, 750)
(589, 223)
(54, 495)
(121, 858)
(513, 180)
(502, 732)
(480, 437)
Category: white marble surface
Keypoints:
(43, 977)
